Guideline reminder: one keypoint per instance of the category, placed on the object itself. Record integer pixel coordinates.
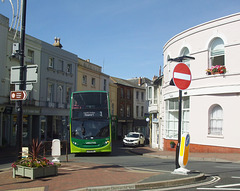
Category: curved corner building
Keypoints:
(211, 104)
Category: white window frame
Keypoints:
(105, 85)
(50, 93)
(51, 62)
(216, 52)
(93, 82)
(68, 95)
(137, 111)
(142, 111)
(61, 63)
(172, 110)
(84, 79)
(30, 56)
(128, 94)
(69, 68)
(150, 94)
(128, 111)
(155, 90)
(185, 52)
(142, 96)
(137, 95)
(215, 121)
(60, 94)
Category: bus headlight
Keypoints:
(75, 143)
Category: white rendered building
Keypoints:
(211, 103)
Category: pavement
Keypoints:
(75, 175)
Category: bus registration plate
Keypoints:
(91, 151)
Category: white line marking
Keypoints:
(228, 185)
(235, 177)
(145, 169)
(215, 179)
(182, 76)
(218, 189)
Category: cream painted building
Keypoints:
(90, 77)
(212, 101)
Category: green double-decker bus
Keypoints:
(90, 122)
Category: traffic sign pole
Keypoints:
(23, 82)
(179, 127)
(182, 78)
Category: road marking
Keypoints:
(218, 189)
(227, 185)
(145, 169)
(214, 179)
(223, 187)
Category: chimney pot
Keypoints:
(57, 43)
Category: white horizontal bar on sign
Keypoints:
(182, 76)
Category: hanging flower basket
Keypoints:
(218, 69)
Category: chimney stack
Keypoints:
(57, 43)
(139, 81)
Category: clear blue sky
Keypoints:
(125, 37)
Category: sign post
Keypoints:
(23, 82)
(182, 78)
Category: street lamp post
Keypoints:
(179, 59)
(22, 81)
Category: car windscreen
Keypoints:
(133, 135)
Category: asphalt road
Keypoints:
(221, 175)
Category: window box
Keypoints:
(218, 69)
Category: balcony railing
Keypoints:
(50, 104)
(61, 105)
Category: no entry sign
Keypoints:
(182, 76)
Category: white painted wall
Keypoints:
(207, 90)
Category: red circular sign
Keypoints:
(182, 76)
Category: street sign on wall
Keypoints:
(18, 95)
(182, 76)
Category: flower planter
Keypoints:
(35, 172)
(218, 69)
(172, 145)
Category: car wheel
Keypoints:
(139, 143)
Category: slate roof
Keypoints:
(130, 83)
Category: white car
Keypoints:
(134, 139)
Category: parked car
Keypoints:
(134, 139)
